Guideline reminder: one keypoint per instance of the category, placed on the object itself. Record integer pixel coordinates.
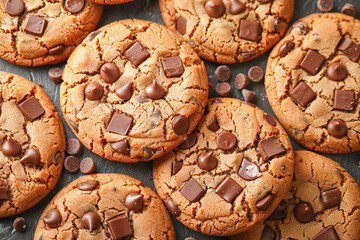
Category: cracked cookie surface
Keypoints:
(313, 79)
(109, 2)
(105, 198)
(134, 91)
(228, 31)
(305, 211)
(32, 144)
(41, 32)
(231, 173)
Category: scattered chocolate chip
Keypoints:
(344, 100)
(149, 153)
(154, 90)
(250, 30)
(94, 91)
(142, 99)
(55, 74)
(256, 74)
(228, 189)
(350, 49)
(180, 124)
(31, 156)
(173, 66)
(192, 190)
(280, 212)
(121, 147)
(213, 124)
(264, 203)
(14, 7)
(3, 190)
(74, 126)
(236, 7)
(120, 124)
(270, 119)
(303, 212)
(302, 26)
(337, 128)
(137, 54)
(119, 227)
(337, 71)
(74, 6)
(215, 8)
(349, 9)
(267, 233)
(207, 161)
(134, 201)
(53, 218)
(35, 25)
(56, 49)
(176, 166)
(10, 147)
(189, 141)
(248, 171)
(226, 141)
(279, 23)
(270, 147)
(285, 48)
(87, 165)
(90, 221)
(328, 233)
(73, 146)
(93, 34)
(89, 185)
(71, 164)
(248, 95)
(125, 91)
(241, 81)
(181, 25)
(223, 89)
(247, 55)
(222, 73)
(109, 72)
(31, 108)
(303, 94)
(325, 5)
(312, 62)
(331, 198)
(19, 224)
(172, 207)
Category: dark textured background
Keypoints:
(149, 10)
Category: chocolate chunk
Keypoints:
(90, 221)
(134, 201)
(74, 6)
(93, 34)
(247, 55)
(256, 74)
(270, 147)
(248, 171)
(35, 25)
(14, 7)
(119, 227)
(31, 156)
(173, 66)
(125, 91)
(73, 146)
(180, 124)
(328, 233)
(137, 54)
(94, 91)
(302, 26)
(248, 95)
(89, 185)
(228, 189)
(53, 218)
(31, 108)
(154, 90)
(172, 207)
(189, 141)
(19, 224)
(337, 128)
(241, 81)
(207, 161)
(349, 9)
(325, 5)
(192, 191)
(344, 100)
(285, 48)
(280, 212)
(264, 203)
(57, 157)
(337, 71)
(56, 49)
(215, 8)
(223, 89)
(120, 124)
(222, 73)
(87, 165)
(331, 198)
(121, 147)
(150, 152)
(303, 94)
(176, 166)
(303, 212)
(74, 126)
(267, 233)
(236, 7)
(350, 49)
(312, 62)
(71, 164)
(3, 190)
(213, 124)
(109, 72)
(250, 30)
(270, 119)
(10, 147)
(181, 25)
(226, 141)
(55, 74)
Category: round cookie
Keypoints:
(134, 92)
(32, 142)
(230, 173)
(313, 79)
(36, 33)
(110, 2)
(322, 203)
(229, 31)
(112, 206)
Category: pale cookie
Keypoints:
(229, 31)
(322, 204)
(105, 206)
(134, 91)
(230, 173)
(313, 82)
(110, 2)
(32, 144)
(36, 33)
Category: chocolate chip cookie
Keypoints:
(322, 204)
(229, 31)
(133, 91)
(313, 82)
(105, 206)
(32, 144)
(110, 2)
(36, 33)
(230, 173)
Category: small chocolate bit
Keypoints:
(19, 224)
(337, 128)
(192, 191)
(337, 71)
(73, 146)
(256, 74)
(213, 124)
(303, 212)
(90, 221)
(14, 7)
(176, 166)
(121, 147)
(285, 48)
(94, 91)
(181, 25)
(331, 198)
(215, 8)
(312, 62)
(349, 9)
(325, 5)
(35, 25)
(350, 49)
(223, 89)
(125, 91)
(154, 90)
(31, 156)
(267, 233)
(137, 54)
(302, 26)
(87, 165)
(328, 233)
(248, 95)
(180, 124)
(222, 73)
(89, 185)
(241, 81)
(134, 201)
(109, 72)
(71, 164)
(173, 66)
(74, 6)
(207, 161)
(280, 212)
(10, 147)
(247, 55)
(120, 124)
(228, 189)
(55, 74)
(119, 227)
(53, 218)
(31, 108)
(248, 171)
(250, 30)
(344, 100)
(57, 157)
(3, 190)
(236, 7)
(172, 207)
(149, 153)
(270, 119)
(93, 35)
(270, 147)
(56, 49)
(226, 141)
(189, 141)
(264, 203)
(74, 126)
(303, 94)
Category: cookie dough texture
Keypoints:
(217, 39)
(28, 184)
(108, 201)
(110, 2)
(212, 214)
(308, 125)
(151, 133)
(314, 174)
(63, 29)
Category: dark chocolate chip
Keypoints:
(181, 25)
(223, 89)
(19, 224)
(180, 124)
(192, 190)
(53, 218)
(303, 94)
(248, 95)
(303, 212)
(3, 190)
(331, 198)
(250, 30)
(337, 71)
(120, 227)
(222, 73)
(350, 49)
(248, 171)
(325, 5)
(173, 66)
(285, 48)
(226, 141)
(302, 26)
(154, 90)
(134, 201)
(14, 7)
(256, 74)
(270, 119)
(10, 147)
(90, 221)
(189, 141)
(137, 54)
(109, 72)
(120, 124)
(74, 126)
(213, 124)
(93, 34)
(125, 91)
(270, 147)
(73, 146)
(121, 147)
(349, 9)
(89, 185)
(31, 156)
(94, 91)
(312, 62)
(57, 157)
(267, 233)
(35, 25)
(172, 207)
(31, 108)
(328, 233)
(71, 164)
(74, 6)
(236, 7)
(241, 81)
(87, 165)
(55, 74)
(337, 128)
(344, 100)
(215, 8)
(207, 161)
(56, 49)
(247, 55)
(264, 203)
(228, 189)
(149, 153)
(176, 166)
